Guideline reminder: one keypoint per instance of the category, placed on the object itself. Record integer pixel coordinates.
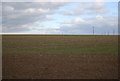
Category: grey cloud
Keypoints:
(102, 25)
(0, 17)
(21, 15)
(14, 30)
(25, 5)
(87, 8)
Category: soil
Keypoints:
(78, 66)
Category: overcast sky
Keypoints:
(60, 17)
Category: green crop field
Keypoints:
(60, 44)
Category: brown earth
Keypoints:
(34, 66)
(58, 66)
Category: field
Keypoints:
(60, 57)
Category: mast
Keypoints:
(93, 30)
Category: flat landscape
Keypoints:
(60, 56)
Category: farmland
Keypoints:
(60, 57)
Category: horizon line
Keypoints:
(56, 35)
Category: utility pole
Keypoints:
(104, 33)
(61, 32)
(93, 30)
(113, 32)
(108, 32)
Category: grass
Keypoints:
(59, 44)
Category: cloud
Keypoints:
(74, 21)
(86, 8)
(44, 31)
(85, 25)
(56, 17)
(0, 17)
(99, 17)
(21, 16)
